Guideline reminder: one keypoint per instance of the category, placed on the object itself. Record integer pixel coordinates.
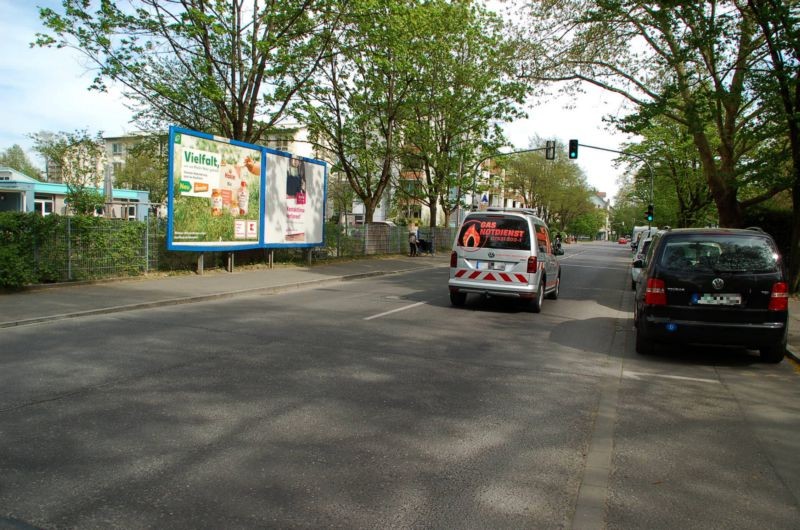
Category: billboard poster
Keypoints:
(230, 195)
(295, 200)
(215, 189)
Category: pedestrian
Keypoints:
(412, 240)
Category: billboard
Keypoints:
(230, 195)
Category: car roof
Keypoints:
(752, 231)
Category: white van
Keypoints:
(636, 235)
(504, 252)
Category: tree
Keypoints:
(588, 223)
(780, 85)
(81, 162)
(227, 67)
(361, 95)
(691, 62)
(556, 188)
(466, 82)
(15, 158)
(146, 168)
(681, 193)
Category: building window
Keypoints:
(116, 149)
(43, 204)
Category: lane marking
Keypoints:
(379, 315)
(640, 375)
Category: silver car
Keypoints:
(640, 252)
(506, 253)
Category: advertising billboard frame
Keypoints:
(268, 157)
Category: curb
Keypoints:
(275, 289)
(792, 354)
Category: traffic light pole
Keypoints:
(639, 157)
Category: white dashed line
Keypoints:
(379, 315)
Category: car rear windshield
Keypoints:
(720, 253)
(492, 231)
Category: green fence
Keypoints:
(36, 249)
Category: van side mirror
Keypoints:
(638, 264)
(558, 251)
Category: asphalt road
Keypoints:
(375, 404)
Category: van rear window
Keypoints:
(720, 253)
(509, 233)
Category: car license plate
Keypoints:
(720, 299)
(481, 265)
(497, 266)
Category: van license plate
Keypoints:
(720, 299)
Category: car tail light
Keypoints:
(532, 265)
(779, 297)
(453, 258)
(655, 293)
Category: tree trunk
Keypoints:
(793, 259)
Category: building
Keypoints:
(598, 199)
(21, 193)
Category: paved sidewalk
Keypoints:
(62, 301)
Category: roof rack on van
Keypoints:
(528, 211)
(755, 228)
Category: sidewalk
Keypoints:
(62, 301)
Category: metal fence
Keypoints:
(77, 250)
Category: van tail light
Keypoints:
(779, 297)
(532, 265)
(655, 293)
(453, 258)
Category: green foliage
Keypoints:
(16, 246)
(15, 158)
(775, 221)
(587, 223)
(36, 249)
(84, 201)
(145, 168)
(207, 65)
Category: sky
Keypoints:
(46, 89)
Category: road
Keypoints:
(375, 404)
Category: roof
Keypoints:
(11, 179)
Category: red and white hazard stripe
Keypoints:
(490, 276)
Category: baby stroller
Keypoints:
(424, 247)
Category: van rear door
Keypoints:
(495, 242)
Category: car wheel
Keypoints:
(554, 293)
(773, 354)
(458, 299)
(644, 346)
(536, 302)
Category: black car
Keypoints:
(713, 286)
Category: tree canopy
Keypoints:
(228, 67)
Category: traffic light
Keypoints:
(573, 149)
(649, 214)
(550, 150)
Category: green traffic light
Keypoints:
(573, 149)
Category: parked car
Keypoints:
(622, 241)
(506, 253)
(713, 286)
(639, 253)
